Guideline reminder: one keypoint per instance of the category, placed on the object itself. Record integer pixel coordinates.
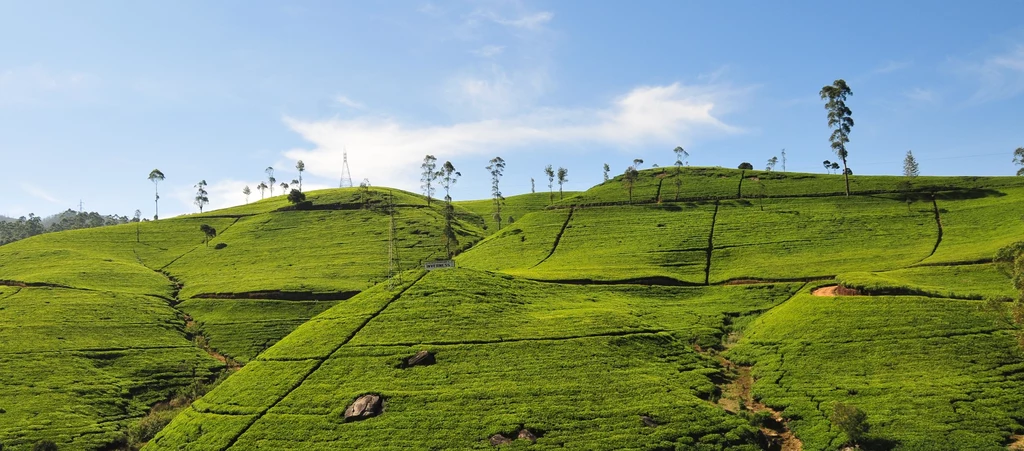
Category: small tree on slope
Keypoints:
(1018, 158)
(910, 168)
(428, 176)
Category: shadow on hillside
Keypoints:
(970, 193)
(941, 193)
(879, 444)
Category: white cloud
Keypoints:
(37, 192)
(999, 76)
(488, 51)
(921, 95)
(529, 22)
(494, 92)
(890, 67)
(349, 102)
(532, 21)
(387, 151)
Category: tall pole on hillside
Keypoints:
(346, 176)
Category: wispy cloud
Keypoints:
(891, 66)
(488, 51)
(529, 22)
(390, 149)
(921, 95)
(490, 91)
(349, 102)
(39, 193)
(999, 76)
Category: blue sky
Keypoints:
(93, 95)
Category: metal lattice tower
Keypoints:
(346, 176)
(394, 261)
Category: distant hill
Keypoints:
(12, 229)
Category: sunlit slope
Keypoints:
(93, 341)
(809, 237)
(578, 364)
(514, 207)
(786, 238)
(614, 243)
(299, 263)
(340, 249)
(93, 321)
(976, 225)
(77, 365)
(117, 258)
(242, 328)
(931, 373)
(705, 183)
(976, 281)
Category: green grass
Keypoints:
(790, 238)
(930, 373)
(114, 336)
(578, 362)
(574, 341)
(985, 281)
(797, 238)
(242, 328)
(603, 243)
(974, 229)
(515, 207)
(709, 183)
(76, 366)
(312, 251)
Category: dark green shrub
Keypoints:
(44, 445)
(851, 420)
(149, 425)
(296, 196)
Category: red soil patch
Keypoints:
(1017, 444)
(835, 290)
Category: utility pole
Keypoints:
(79, 206)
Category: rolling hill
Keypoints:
(657, 319)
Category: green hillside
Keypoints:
(99, 325)
(514, 207)
(673, 321)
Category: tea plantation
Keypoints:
(605, 320)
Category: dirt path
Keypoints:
(736, 397)
(1017, 444)
(201, 342)
(835, 290)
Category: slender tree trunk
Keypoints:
(846, 174)
(156, 202)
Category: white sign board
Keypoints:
(439, 264)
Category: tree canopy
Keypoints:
(840, 119)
